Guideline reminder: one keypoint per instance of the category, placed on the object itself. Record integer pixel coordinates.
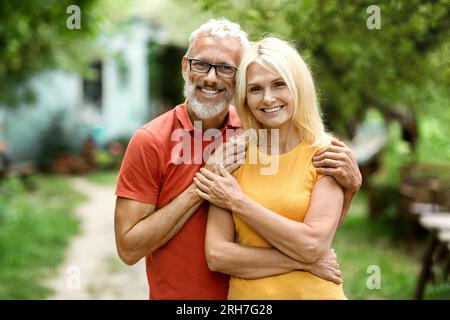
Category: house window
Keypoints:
(92, 86)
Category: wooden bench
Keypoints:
(416, 197)
(438, 247)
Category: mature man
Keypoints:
(158, 213)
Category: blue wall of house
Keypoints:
(126, 104)
(55, 91)
(123, 109)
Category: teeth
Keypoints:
(275, 109)
(209, 92)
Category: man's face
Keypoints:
(208, 94)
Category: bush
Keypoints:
(111, 157)
(55, 140)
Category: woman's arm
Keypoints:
(307, 241)
(226, 256)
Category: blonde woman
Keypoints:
(294, 209)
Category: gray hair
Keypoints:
(222, 28)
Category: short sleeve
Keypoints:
(140, 175)
(313, 173)
(312, 169)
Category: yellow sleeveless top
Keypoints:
(286, 191)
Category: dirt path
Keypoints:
(91, 269)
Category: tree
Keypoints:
(356, 67)
(401, 69)
(34, 36)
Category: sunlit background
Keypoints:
(71, 97)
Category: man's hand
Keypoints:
(230, 155)
(338, 161)
(327, 268)
(219, 189)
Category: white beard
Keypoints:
(204, 111)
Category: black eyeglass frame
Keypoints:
(212, 65)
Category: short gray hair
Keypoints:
(222, 28)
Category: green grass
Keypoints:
(35, 229)
(103, 177)
(361, 243)
(438, 292)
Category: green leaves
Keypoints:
(351, 62)
(34, 36)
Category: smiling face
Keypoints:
(269, 98)
(208, 94)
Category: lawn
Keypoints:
(103, 177)
(365, 247)
(35, 229)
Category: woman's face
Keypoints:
(268, 97)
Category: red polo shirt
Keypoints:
(151, 172)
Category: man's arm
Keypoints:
(226, 256)
(139, 229)
(339, 161)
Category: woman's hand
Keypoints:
(327, 268)
(221, 190)
(230, 154)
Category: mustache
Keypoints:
(201, 83)
(190, 87)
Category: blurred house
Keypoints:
(111, 106)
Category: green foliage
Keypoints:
(164, 71)
(110, 157)
(176, 18)
(105, 160)
(56, 139)
(357, 68)
(361, 243)
(34, 36)
(434, 127)
(34, 232)
(397, 154)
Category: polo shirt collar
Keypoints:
(182, 115)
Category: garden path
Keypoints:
(92, 269)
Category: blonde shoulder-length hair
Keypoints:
(278, 55)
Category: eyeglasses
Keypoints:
(222, 70)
